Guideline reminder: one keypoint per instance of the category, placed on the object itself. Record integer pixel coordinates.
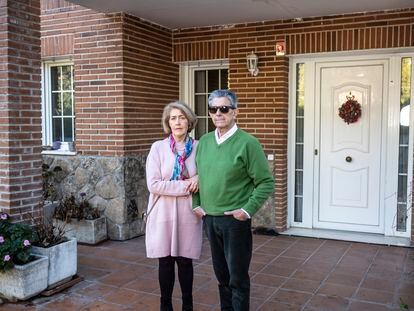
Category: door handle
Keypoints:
(348, 159)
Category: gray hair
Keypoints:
(188, 113)
(223, 93)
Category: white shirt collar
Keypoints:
(226, 136)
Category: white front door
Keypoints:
(350, 169)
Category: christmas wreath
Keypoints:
(350, 110)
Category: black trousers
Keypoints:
(231, 250)
(166, 277)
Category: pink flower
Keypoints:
(1, 239)
(3, 216)
(26, 242)
(7, 258)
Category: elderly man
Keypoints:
(234, 182)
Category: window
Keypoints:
(58, 106)
(206, 81)
(405, 100)
(197, 81)
(299, 140)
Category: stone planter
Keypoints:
(63, 261)
(86, 231)
(23, 282)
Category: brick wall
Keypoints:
(20, 108)
(264, 99)
(150, 81)
(122, 68)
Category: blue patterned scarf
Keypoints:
(179, 170)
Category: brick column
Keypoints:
(20, 108)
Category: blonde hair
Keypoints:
(188, 113)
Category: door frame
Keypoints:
(311, 134)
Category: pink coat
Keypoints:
(172, 228)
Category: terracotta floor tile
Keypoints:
(124, 297)
(355, 271)
(143, 285)
(344, 279)
(268, 280)
(365, 306)
(255, 303)
(202, 280)
(321, 267)
(301, 285)
(291, 297)
(262, 258)
(280, 270)
(406, 288)
(101, 263)
(92, 274)
(148, 261)
(328, 303)
(281, 242)
(384, 274)
(379, 284)
(212, 285)
(119, 278)
(261, 292)
(260, 239)
(206, 296)
(331, 289)
(279, 306)
(69, 303)
(200, 307)
(147, 303)
(288, 261)
(306, 245)
(96, 290)
(256, 266)
(297, 253)
(204, 269)
(269, 250)
(308, 274)
(354, 261)
(318, 259)
(372, 295)
(102, 306)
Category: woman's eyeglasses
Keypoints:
(223, 109)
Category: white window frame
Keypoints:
(47, 135)
(187, 70)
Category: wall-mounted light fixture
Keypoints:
(252, 61)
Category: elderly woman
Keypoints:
(173, 232)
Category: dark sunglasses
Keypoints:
(223, 109)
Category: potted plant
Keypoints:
(60, 250)
(22, 274)
(83, 221)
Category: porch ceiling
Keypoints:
(194, 13)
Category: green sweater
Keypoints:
(232, 175)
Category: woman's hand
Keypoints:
(193, 184)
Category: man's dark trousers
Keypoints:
(231, 250)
